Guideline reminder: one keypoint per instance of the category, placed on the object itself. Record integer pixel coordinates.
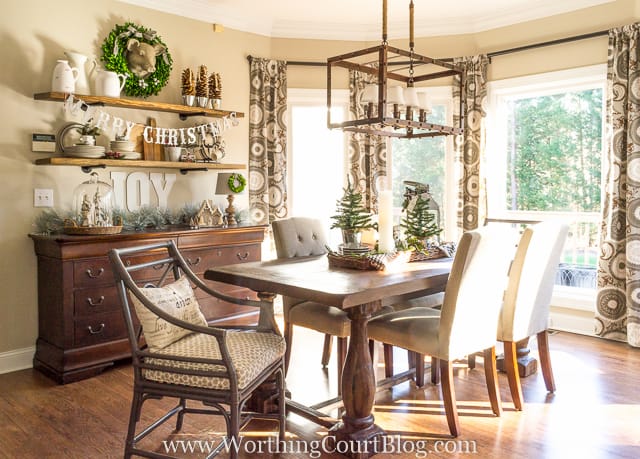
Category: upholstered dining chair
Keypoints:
(469, 317)
(526, 305)
(302, 237)
(182, 357)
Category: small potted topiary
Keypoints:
(88, 133)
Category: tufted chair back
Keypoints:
(299, 237)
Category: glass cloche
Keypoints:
(93, 203)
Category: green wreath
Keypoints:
(114, 57)
(237, 183)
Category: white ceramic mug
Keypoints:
(172, 153)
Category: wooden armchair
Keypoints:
(183, 357)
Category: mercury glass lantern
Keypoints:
(93, 204)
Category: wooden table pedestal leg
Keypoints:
(357, 436)
(527, 365)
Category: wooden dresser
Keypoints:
(81, 330)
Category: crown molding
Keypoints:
(458, 24)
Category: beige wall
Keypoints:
(34, 33)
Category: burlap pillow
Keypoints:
(176, 299)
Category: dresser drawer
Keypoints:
(92, 272)
(90, 301)
(201, 259)
(99, 328)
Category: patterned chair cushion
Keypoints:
(176, 299)
(251, 353)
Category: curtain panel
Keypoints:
(469, 147)
(618, 300)
(367, 153)
(267, 140)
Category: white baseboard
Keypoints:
(572, 320)
(15, 360)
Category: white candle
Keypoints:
(385, 221)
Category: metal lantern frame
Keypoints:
(386, 63)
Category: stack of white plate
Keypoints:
(84, 151)
(360, 250)
(130, 155)
(125, 148)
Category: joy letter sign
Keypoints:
(134, 190)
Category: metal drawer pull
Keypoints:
(93, 276)
(158, 267)
(242, 257)
(97, 303)
(195, 262)
(95, 332)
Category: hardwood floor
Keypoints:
(595, 412)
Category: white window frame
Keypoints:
(565, 299)
(312, 97)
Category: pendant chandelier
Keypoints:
(393, 109)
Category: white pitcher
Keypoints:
(64, 77)
(109, 83)
(79, 61)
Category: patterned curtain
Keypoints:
(367, 153)
(469, 147)
(618, 301)
(267, 140)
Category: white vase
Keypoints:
(78, 61)
(64, 77)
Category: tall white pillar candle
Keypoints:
(385, 221)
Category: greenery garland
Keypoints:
(237, 183)
(114, 57)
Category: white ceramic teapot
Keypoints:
(64, 77)
(109, 83)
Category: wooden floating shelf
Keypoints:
(182, 110)
(88, 164)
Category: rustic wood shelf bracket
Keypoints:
(87, 169)
(184, 116)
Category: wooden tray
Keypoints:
(91, 230)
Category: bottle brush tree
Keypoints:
(419, 224)
(351, 213)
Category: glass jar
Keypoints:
(94, 203)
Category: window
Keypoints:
(544, 157)
(428, 160)
(316, 165)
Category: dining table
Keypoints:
(360, 293)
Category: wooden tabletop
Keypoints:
(311, 278)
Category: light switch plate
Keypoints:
(42, 197)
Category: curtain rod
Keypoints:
(489, 55)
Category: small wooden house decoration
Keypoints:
(209, 215)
